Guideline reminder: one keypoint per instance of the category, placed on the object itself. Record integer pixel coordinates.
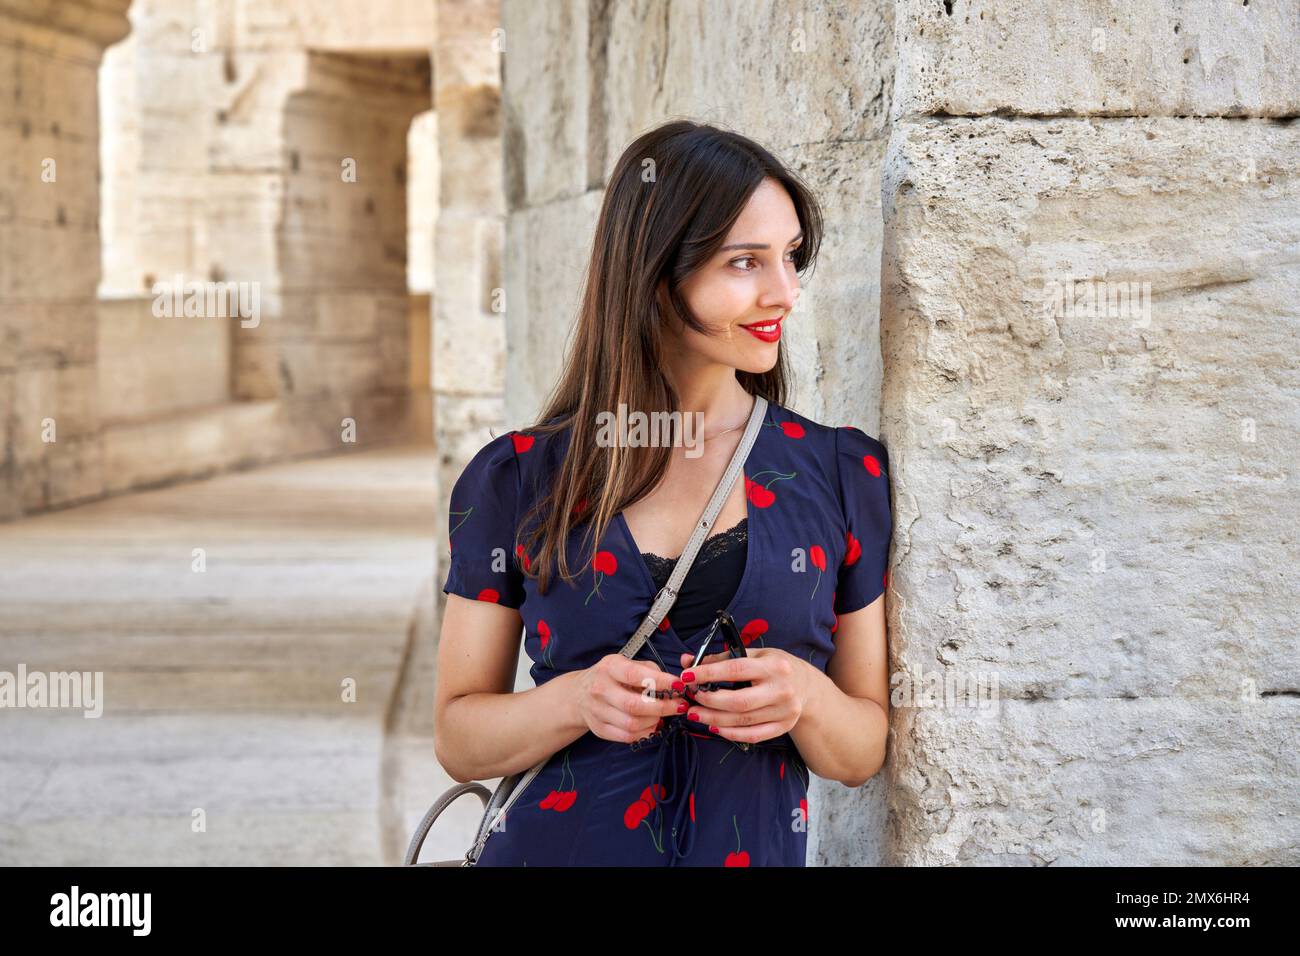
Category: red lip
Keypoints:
(773, 336)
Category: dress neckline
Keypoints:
(714, 539)
(753, 554)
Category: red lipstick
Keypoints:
(767, 330)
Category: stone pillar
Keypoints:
(50, 53)
(341, 346)
(469, 308)
(1089, 321)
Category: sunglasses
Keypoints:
(731, 641)
(735, 647)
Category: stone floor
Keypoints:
(230, 733)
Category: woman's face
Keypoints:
(749, 284)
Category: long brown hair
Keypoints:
(674, 195)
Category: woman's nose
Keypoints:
(783, 292)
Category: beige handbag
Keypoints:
(508, 790)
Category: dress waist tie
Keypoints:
(676, 772)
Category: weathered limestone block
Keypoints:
(49, 248)
(1098, 57)
(377, 25)
(151, 365)
(549, 248)
(463, 327)
(834, 332)
(186, 444)
(1090, 504)
(780, 72)
(550, 77)
(1165, 781)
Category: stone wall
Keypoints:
(260, 145)
(50, 453)
(1091, 499)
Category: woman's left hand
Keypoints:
(771, 706)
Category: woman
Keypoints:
(694, 272)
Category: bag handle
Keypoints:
(444, 801)
(659, 607)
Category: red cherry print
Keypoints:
(522, 442)
(753, 630)
(523, 556)
(738, 857)
(758, 492)
(603, 563)
(650, 796)
(870, 463)
(854, 548)
(803, 805)
(692, 802)
(781, 772)
(758, 496)
(561, 800)
(884, 579)
(818, 557)
(792, 429)
(489, 594)
(663, 625)
(635, 813)
(548, 642)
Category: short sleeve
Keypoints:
(481, 526)
(864, 496)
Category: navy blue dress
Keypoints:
(818, 528)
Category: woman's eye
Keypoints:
(751, 259)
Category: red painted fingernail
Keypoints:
(681, 708)
(678, 685)
(692, 716)
(713, 730)
(688, 676)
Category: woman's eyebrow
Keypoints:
(756, 245)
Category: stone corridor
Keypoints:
(229, 617)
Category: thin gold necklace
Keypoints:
(723, 432)
(733, 427)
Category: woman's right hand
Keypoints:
(616, 698)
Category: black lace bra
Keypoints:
(711, 582)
